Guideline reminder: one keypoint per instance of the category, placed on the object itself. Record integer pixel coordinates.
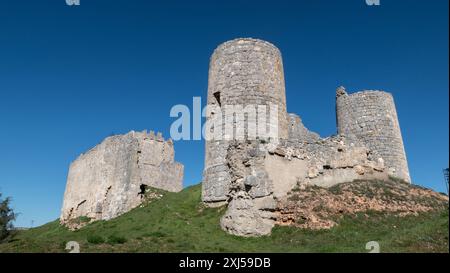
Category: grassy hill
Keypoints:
(178, 222)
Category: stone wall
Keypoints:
(108, 180)
(330, 161)
(242, 72)
(263, 173)
(371, 117)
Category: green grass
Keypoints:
(178, 222)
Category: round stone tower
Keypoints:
(246, 73)
(371, 117)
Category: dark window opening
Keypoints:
(217, 96)
(143, 188)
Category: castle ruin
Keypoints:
(251, 175)
(110, 179)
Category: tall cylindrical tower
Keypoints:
(242, 72)
(371, 117)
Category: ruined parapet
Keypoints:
(298, 131)
(110, 178)
(244, 73)
(371, 117)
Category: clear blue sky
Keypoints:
(71, 76)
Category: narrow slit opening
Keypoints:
(217, 96)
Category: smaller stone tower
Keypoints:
(370, 117)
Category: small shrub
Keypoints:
(397, 180)
(114, 239)
(336, 190)
(63, 244)
(95, 239)
(81, 220)
(84, 219)
(294, 197)
(157, 234)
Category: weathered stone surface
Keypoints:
(243, 218)
(284, 173)
(266, 203)
(335, 160)
(108, 180)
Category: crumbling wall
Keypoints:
(331, 161)
(251, 203)
(108, 180)
(298, 132)
(371, 117)
(263, 173)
